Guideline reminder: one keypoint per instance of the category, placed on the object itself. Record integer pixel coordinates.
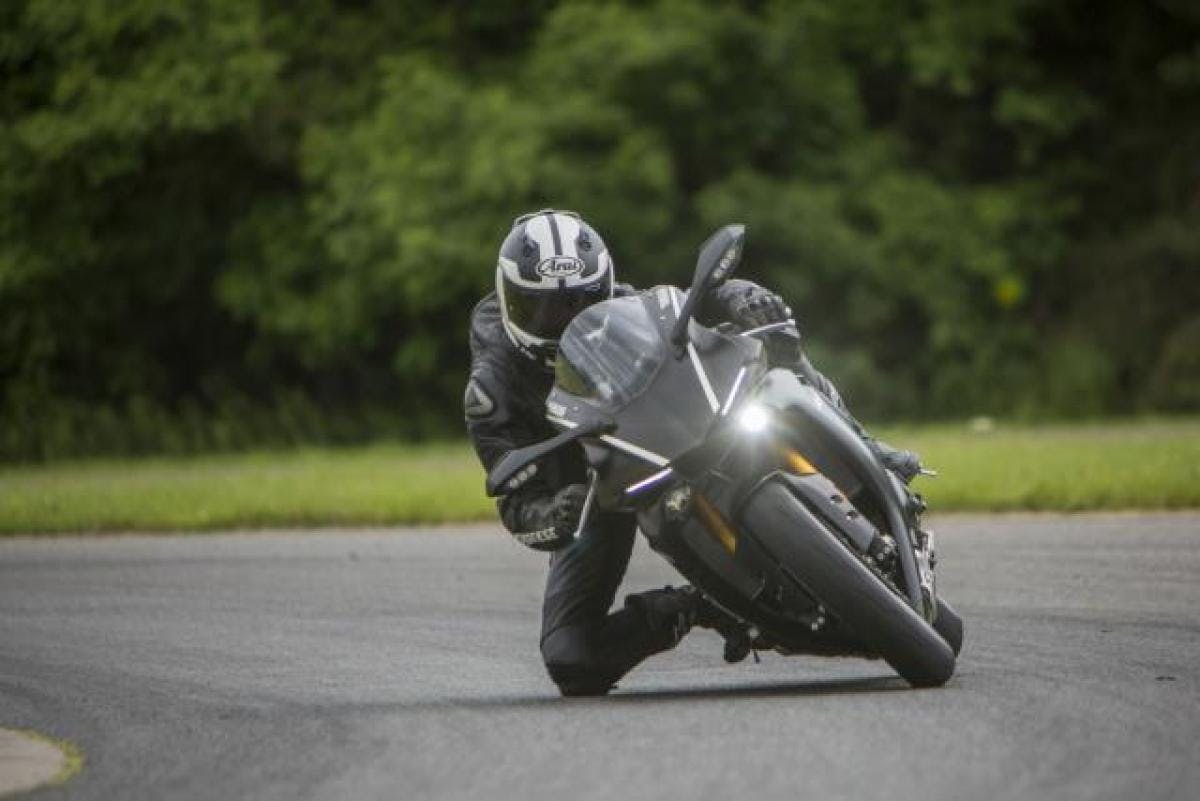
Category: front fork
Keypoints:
(922, 540)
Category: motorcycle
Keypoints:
(745, 478)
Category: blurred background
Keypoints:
(235, 224)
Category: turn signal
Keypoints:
(715, 522)
(798, 464)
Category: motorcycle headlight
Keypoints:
(753, 417)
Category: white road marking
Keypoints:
(28, 761)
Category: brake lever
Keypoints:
(770, 328)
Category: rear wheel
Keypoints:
(823, 566)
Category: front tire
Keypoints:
(950, 626)
(817, 560)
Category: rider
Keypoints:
(552, 265)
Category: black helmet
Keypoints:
(552, 265)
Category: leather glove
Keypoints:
(565, 512)
(905, 464)
(568, 508)
(758, 307)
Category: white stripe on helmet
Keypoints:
(538, 229)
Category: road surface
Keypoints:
(404, 665)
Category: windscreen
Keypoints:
(609, 353)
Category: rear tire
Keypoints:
(819, 563)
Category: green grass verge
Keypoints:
(1124, 465)
(1149, 464)
(375, 485)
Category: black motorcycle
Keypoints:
(746, 479)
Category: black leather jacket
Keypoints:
(505, 401)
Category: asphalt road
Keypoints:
(404, 665)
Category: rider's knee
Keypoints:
(573, 666)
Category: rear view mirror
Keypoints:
(501, 476)
(719, 257)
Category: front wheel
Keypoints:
(815, 558)
(949, 625)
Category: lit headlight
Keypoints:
(753, 417)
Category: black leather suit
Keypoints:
(585, 648)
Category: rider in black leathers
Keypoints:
(586, 648)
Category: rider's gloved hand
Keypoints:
(905, 464)
(566, 507)
(757, 307)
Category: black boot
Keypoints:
(710, 616)
(670, 613)
(673, 612)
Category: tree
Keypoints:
(226, 223)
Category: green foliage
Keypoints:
(213, 213)
(1175, 382)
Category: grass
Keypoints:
(1122, 465)
(1150, 464)
(374, 485)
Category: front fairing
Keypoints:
(674, 409)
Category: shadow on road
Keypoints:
(870, 684)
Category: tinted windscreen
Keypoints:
(609, 353)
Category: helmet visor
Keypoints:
(544, 313)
